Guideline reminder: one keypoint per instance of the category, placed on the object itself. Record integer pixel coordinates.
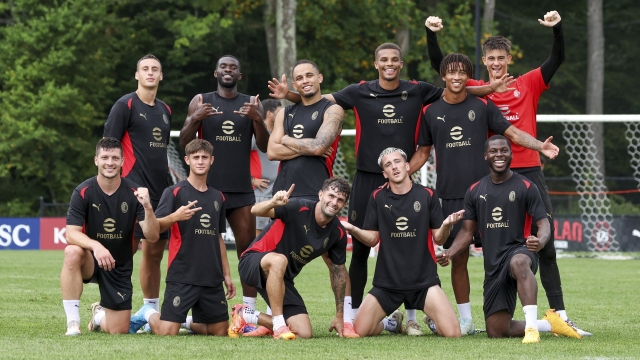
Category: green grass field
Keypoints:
(601, 296)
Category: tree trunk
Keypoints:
(402, 40)
(270, 31)
(595, 73)
(487, 18)
(286, 36)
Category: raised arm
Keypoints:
(265, 208)
(523, 139)
(275, 150)
(432, 25)
(150, 226)
(280, 90)
(553, 20)
(198, 111)
(330, 128)
(440, 235)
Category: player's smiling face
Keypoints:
(498, 154)
(395, 167)
(456, 78)
(109, 162)
(331, 202)
(149, 73)
(388, 64)
(199, 162)
(306, 80)
(497, 62)
(228, 72)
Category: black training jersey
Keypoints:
(144, 132)
(296, 234)
(307, 172)
(459, 132)
(385, 118)
(504, 214)
(406, 257)
(108, 219)
(194, 247)
(230, 134)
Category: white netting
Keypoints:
(340, 169)
(596, 217)
(633, 136)
(176, 167)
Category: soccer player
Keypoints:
(404, 216)
(302, 231)
(102, 214)
(457, 125)
(502, 205)
(387, 114)
(229, 120)
(198, 263)
(520, 108)
(142, 123)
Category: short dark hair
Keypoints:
(229, 56)
(108, 143)
(338, 184)
(453, 61)
(300, 62)
(496, 137)
(148, 56)
(496, 43)
(196, 145)
(386, 46)
(270, 105)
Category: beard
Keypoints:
(228, 85)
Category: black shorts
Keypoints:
(115, 290)
(500, 292)
(364, 183)
(537, 177)
(391, 300)
(251, 274)
(449, 206)
(233, 201)
(137, 231)
(208, 303)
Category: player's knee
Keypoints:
(73, 255)
(450, 331)
(520, 265)
(118, 329)
(274, 262)
(494, 333)
(154, 252)
(303, 333)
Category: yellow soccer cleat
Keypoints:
(283, 333)
(531, 336)
(559, 326)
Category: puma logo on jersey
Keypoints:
(96, 206)
(121, 295)
(291, 115)
(483, 197)
(549, 215)
(441, 118)
(216, 109)
(373, 95)
(305, 229)
(388, 206)
(144, 116)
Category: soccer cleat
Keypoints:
(137, 320)
(397, 317)
(413, 329)
(559, 326)
(95, 307)
(349, 332)
(258, 332)
(73, 328)
(146, 329)
(431, 324)
(237, 321)
(283, 333)
(467, 327)
(575, 327)
(531, 336)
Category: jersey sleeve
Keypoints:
(429, 93)
(436, 217)
(222, 222)
(424, 137)
(496, 121)
(534, 82)
(346, 97)
(166, 204)
(284, 212)
(371, 218)
(470, 206)
(77, 212)
(535, 206)
(338, 252)
(139, 210)
(118, 121)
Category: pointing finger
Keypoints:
(290, 189)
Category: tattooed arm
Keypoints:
(339, 284)
(524, 139)
(331, 127)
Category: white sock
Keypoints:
(563, 314)
(347, 309)
(389, 325)
(530, 316)
(543, 325)
(150, 312)
(153, 302)
(278, 322)
(354, 312)
(97, 319)
(251, 315)
(187, 323)
(465, 310)
(269, 310)
(411, 315)
(72, 309)
(250, 302)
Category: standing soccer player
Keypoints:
(143, 124)
(198, 263)
(403, 217)
(229, 120)
(103, 212)
(387, 114)
(520, 107)
(502, 206)
(302, 231)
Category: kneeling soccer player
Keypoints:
(103, 211)
(197, 254)
(404, 215)
(504, 204)
(302, 231)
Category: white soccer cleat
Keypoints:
(73, 328)
(413, 329)
(575, 327)
(467, 327)
(397, 316)
(95, 307)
